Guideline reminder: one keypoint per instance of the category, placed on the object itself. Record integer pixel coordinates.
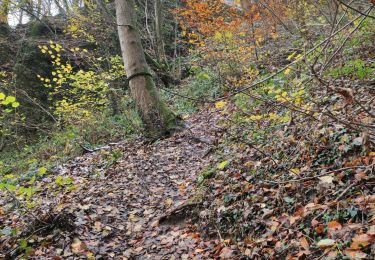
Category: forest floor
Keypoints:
(196, 195)
(139, 206)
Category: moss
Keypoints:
(207, 174)
(163, 122)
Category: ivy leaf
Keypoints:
(6, 231)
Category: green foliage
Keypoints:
(354, 69)
(204, 85)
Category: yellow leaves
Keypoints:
(295, 171)
(287, 71)
(228, 35)
(255, 117)
(8, 100)
(273, 116)
(291, 55)
(298, 56)
(242, 33)
(15, 104)
(222, 165)
(2, 96)
(220, 104)
(42, 170)
(218, 36)
(73, 28)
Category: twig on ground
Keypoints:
(320, 175)
(346, 190)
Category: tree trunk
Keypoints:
(20, 18)
(59, 7)
(157, 117)
(39, 9)
(158, 31)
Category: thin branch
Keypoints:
(355, 10)
(290, 64)
(319, 175)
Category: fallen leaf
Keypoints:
(155, 223)
(314, 223)
(77, 246)
(360, 241)
(169, 202)
(334, 225)
(98, 226)
(354, 254)
(222, 165)
(326, 179)
(304, 243)
(220, 104)
(133, 217)
(325, 243)
(226, 253)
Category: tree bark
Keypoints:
(157, 117)
(158, 31)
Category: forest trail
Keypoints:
(117, 208)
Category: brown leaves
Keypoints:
(347, 93)
(334, 226)
(361, 241)
(77, 246)
(304, 243)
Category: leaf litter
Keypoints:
(118, 211)
(197, 196)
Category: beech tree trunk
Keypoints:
(157, 117)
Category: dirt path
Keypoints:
(116, 208)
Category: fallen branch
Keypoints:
(320, 175)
